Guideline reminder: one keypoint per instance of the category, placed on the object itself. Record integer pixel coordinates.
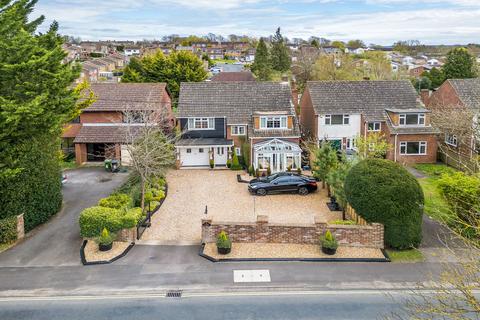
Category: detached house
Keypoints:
(101, 129)
(218, 118)
(340, 111)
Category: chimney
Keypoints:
(425, 96)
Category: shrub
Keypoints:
(328, 241)
(383, 191)
(257, 173)
(93, 220)
(116, 201)
(229, 163)
(223, 241)
(269, 171)
(212, 163)
(299, 170)
(246, 153)
(235, 164)
(344, 222)
(105, 237)
(8, 230)
(251, 171)
(289, 168)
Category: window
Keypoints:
(273, 122)
(413, 148)
(238, 130)
(189, 150)
(410, 119)
(374, 126)
(238, 152)
(76, 120)
(201, 124)
(200, 150)
(451, 139)
(220, 151)
(337, 119)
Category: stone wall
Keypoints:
(20, 227)
(127, 235)
(370, 236)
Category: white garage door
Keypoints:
(194, 157)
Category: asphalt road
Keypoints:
(57, 243)
(325, 305)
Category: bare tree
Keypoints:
(303, 67)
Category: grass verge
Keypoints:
(405, 256)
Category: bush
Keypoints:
(328, 241)
(383, 191)
(116, 201)
(229, 163)
(93, 220)
(344, 222)
(105, 238)
(251, 171)
(223, 241)
(269, 171)
(235, 164)
(8, 230)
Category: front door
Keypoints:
(221, 155)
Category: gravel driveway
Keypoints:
(179, 219)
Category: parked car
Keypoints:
(283, 182)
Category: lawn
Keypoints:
(226, 61)
(435, 205)
(405, 256)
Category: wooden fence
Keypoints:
(353, 215)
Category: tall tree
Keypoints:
(325, 162)
(355, 44)
(338, 44)
(460, 64)
(261, 67)
(436, 77)
(279, 54)
(342, 67)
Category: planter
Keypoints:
(329, 251)
(224, 250)
(105, 247)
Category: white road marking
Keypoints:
(251, 276)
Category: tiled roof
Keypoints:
(468, 91)
(204, 142)
(127, 96)
(103, 134)
(411, 129)
(234, 76)
(369, 98)
(236, 100)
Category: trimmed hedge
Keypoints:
(93, 220)
(8, 230)
(385, 192)
(116, 201)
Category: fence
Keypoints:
(353, 215)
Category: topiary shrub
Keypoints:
(385, 192)
(8, 230)
(328, 241)
(93, 220)
(116, 201)
(235, 163)
(105, 237)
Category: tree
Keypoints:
(377, 66)
(315, 43)
(385, 192)
(342, 67)
(355, 44)
(37, 97)
(336, 180)
(325, 161)
(411, 47)
(179, 66)
(421, 83)
(303, 67)
(261, 67)
(279, 54)
(436, 77)
(373, 145)
(460, 64)
(338, 44)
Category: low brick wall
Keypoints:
(369, 236)
(128, 235)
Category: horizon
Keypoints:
(432, 22)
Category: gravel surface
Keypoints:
(93, 254)
(274, 250)
(178, 221)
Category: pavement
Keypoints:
(57, 243)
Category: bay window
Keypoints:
(413, 148)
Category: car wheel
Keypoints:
(262, 192)
(303, 191)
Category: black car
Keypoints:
(282, 182)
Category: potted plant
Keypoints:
(329, 243)
(212, 163)
(229, 163)
(105, 240)
(257, 173)
(224, 245)
(251, 171)
(299, 170)
(289, 168)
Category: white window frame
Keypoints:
(238, 130)
(403, 118)
(282, 121)
(192, 123)
(238, 151)
(345, 119)
(189, 150)
(374, 125)
(451, 140)
(421, 144)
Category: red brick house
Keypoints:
(100, 130)
(340, 111)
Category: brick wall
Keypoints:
(370, 236)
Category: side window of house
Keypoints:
(189, 150)
(337, 119)
(374, 126)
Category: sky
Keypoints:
(373, 21)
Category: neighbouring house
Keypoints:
(131, 51)
(462, 94)
(218, 118)
(100, 131)
(234, 76)
(341, 111)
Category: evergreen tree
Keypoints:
(460, 64)
(326, 160)
(261, 67)
(435, 76)
(279, 55)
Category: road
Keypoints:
(321, 305)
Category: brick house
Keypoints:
(234, 76)
(462, 94)
(100, 130)
(340, 111)
(218, 118)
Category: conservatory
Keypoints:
(278, 155)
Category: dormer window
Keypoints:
(273, 122)
(412, 119)
(201, 123)
(337, 119)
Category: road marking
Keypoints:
(251, 276)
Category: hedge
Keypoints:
(385, 192)
(93, 220)
(116, 201)
(37, 190)
(8, 230)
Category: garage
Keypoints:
(194, 157)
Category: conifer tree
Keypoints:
(460, 64)
(279, 55)
(261, 67)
